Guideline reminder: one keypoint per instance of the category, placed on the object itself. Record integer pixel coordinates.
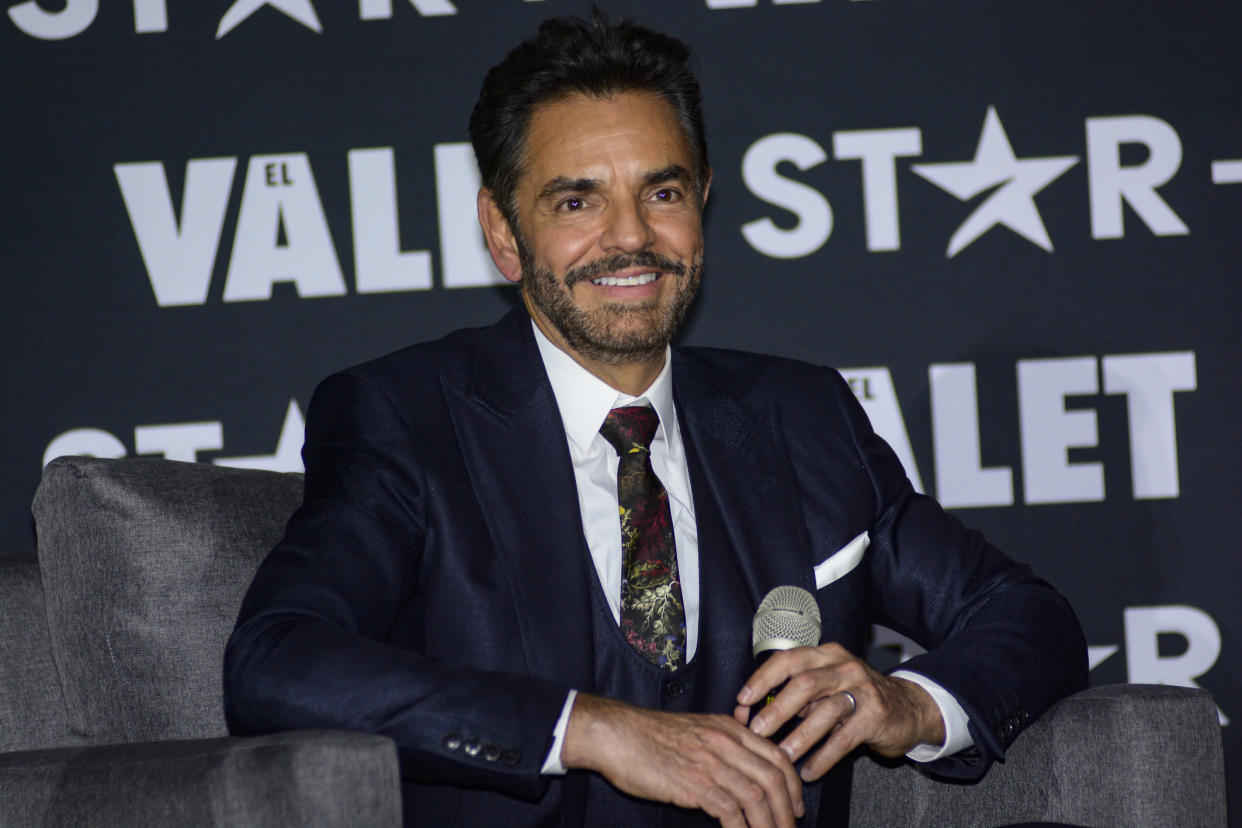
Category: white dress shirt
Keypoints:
(584, 401)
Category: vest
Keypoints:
(621, 673)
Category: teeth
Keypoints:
(627, 281)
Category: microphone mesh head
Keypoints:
(787, 617)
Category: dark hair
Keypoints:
(570, 55)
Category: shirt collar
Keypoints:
(584, 399)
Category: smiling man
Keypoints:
(530, 553)
(607, 237)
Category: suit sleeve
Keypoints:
(1001, 641)
(309, 649)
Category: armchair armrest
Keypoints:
(320, 778)
(1122, 754)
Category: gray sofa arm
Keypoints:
(1123, 754)
(307, 778)
(32, 710)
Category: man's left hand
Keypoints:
(839, 696)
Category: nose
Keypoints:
(626, 227)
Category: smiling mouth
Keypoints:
(626, 271)
(626, 281)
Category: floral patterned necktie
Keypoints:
(653, 618)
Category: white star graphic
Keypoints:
(1012, 204)
(1098, 655)
(300, 10)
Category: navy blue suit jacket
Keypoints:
(433, 587)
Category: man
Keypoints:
(458, 578)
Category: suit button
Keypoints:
(511, 756)
(452, 741)
(472, 747)
(675, 688)
(491, 753)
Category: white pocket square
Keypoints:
(839, 563)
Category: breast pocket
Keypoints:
(839, 578)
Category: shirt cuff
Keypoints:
(956, 733)
(552, 764)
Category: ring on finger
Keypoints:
(853, 701)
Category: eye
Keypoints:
(572, 204)
(668, 195)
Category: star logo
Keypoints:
(300, 10)
(1098, 655)
(1012, 203)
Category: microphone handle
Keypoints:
(789, 726)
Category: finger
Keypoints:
(777, 758)
(719, 804)
(799, 694)
(742, 713)
(738, 790)
(781, 666)
(819, 722)
(840, 742)
(765, 766)
(763, 762)
(775, 671)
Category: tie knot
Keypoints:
(630, 427)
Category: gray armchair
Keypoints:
(111, 713)
(111, 646)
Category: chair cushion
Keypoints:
(1142, 756)
(309, 778)
(32, 714)
(144, 563)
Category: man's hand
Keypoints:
(891, 715)
(691, 760)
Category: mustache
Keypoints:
(621, 261)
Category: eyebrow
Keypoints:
(563, 184)
(673, 172)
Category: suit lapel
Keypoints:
(515, 450)
(751, 532)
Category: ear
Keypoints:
(707, 186)
(501, 242)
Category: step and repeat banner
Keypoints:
(1013, 226)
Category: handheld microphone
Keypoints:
(787, 617)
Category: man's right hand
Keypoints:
(688, 759)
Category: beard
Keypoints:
(616, 333)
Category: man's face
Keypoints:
(610, 239)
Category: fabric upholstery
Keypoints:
(1142, 756)
(289, 779)
(144, 563)
(32, 712)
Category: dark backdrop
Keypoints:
(1013, 226)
